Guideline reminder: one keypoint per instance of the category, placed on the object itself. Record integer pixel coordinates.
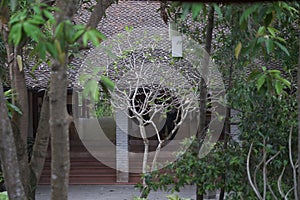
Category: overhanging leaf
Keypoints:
(109, 84)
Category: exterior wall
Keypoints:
(122, 159)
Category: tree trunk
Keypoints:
(59, 119)
(59, 129)
(8, 154)
(98, 12)
(145, 190)
(40, 147)
(298, 101)
(203, 87)
(20, 121)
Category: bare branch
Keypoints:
(292, 164)
(249, 174)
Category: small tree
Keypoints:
(146, 91)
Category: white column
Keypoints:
(122, 159)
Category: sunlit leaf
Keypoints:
(237, 50)
(20, 63)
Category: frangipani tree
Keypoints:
(147, 89)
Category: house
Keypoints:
(85, 165)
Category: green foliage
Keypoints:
(206, 172)
(11, 107)
(264, 31)
(138, 198)
(270, 80)
(176, 197)
(103, 107)
(3, 196)
(34, 23)
(265, 121)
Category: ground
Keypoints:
(109, 192)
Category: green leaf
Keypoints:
(285, 82)
(246, 14)
(91, 87)
(85, 39)
(15, 34)
(109, 84)
(274, 71)
(185, 9)
(36, 19)
(261, 31)
(41, 48)
(268, 19)
(272, 30)
(218, 10)
(278, 87)
(260, 81)
(32, 31)
(196, 8)
(59, 29)
(269, 45)
(48, 15)
(77, 35)
(15, 108)
(51, 49)
(237, 50)
(283, 48)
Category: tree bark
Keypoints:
(40, 147)
(59, 129)
(298, 102)
(203, 87)
(20, 121)
(98, 12)
(8, 154)
(20, 99)
(59, 118)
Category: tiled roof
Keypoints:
(134, 14)
(125, 13)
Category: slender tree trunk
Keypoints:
(40, 147)
(145, 190)
(227, 132)
(8, 154)
(298, 101)
(20, 121)
(59, 119)
(203, 87)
